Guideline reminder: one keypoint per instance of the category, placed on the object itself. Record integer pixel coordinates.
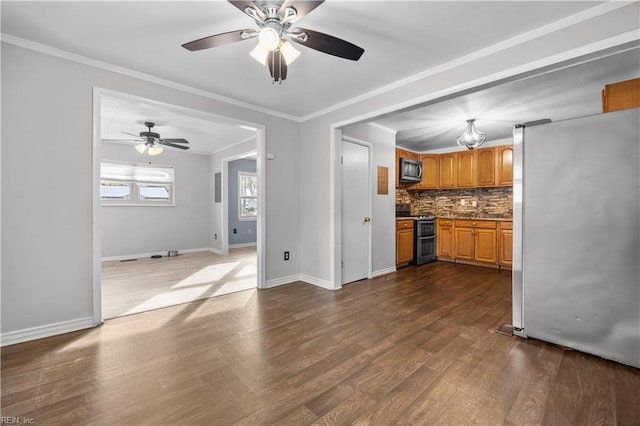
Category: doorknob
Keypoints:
(367, 219)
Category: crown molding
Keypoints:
(542, 31)
(63, 54)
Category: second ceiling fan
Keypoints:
(275, 19)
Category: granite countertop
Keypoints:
(497, 219)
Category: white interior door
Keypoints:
(356, 202)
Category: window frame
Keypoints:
(242, 217)
(135, 184)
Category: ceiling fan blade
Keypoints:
(327, 44)
(219, 39)
(170, 140)
(122, 140)
(243, 4)
(131, 134)
(277, 65)
(161, 142)
(302, 7)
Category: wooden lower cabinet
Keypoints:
(464, 243)
(505, 243)
(444, 239)
(404, 241)
(479, 242)
(476, 241)
(486, 246)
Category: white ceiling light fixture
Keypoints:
(471, 138)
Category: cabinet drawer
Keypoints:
(484, 224)
(445, 222)
(404, 224)
(505, 225)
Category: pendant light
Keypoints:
(471, 138)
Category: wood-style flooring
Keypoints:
(413, 347)
(141, 285)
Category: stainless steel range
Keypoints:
(424, 235)
(424, 240)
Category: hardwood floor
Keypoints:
(142, 285)
(412, 347)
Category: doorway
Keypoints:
(198, 271)
(356, 210)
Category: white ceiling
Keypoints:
(566, 92)
(205, 134)
(400, 38)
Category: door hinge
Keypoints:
(342, 264)
(341, 159)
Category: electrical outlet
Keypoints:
(215, 236)
(286, 255)
(463, 202)
(474, 203)
(235, 230)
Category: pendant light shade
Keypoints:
(141, 148)
(471, 138)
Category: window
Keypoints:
(247, 196)
(125, 184)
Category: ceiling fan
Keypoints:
(275, 19)
(151, 141)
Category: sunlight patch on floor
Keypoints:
(208, 274)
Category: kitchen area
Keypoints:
(455, 206)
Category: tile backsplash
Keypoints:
(489, 202)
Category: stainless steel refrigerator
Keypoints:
(576, 272)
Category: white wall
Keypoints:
(137, 230)
(383, 216)
(504, 60)
(47, 143)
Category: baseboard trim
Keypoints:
(318, 282)
(282, 281)
(300, 277)
(146, 255)
(215, 250)
(242, 245)
(383, 272)
(42, 331)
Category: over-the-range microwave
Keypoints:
(410, 170)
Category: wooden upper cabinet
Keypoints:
(486, 166)
(465, 169)
(446, 168)
(504, 166)
(621, 95)
(430, 167)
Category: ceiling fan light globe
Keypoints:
(141, 147)
(268, 38)
(289, 52)
(260, 54)
(155, 150)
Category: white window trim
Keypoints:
(135, 200)
(240, 197)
